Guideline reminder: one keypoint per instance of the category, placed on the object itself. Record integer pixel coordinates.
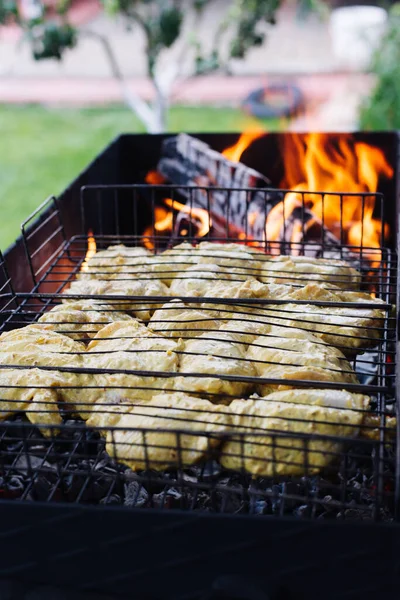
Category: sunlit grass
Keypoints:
(42, 150)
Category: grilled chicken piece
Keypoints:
(245, 330)
(141, 308)
(371, 422)
(32, 346)
(130, 347)
(31, 391)
(299, 270)
(173, 262)
(252, 447)
(235, 261)
(81, 320)
(350, 329)
(312, 292)
(200, 280)
(176, 319)
(294, 354)
(217, 354)
(340, 399)
(150, 438)
(117, 262)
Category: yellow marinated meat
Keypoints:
(217, 354)
(129, 353)
(340, 399)
(119, 335)
(116, 262)
(299, 270)
(274, 438)
(144, 290)
(236, 259)
(245, 330)
(290, 353)
(32, 346)
(80, 320)
(173, 262)
(172, 430)
(350, 329)
(200, 280)
(31, 391)
(176, 319)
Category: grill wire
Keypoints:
(70, 463)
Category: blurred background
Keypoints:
(76, 73)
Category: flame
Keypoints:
(234, 153)
(164, 220)
(200, 214)
(91, 251)
(322, 162)
(155, 178)
(326, 165)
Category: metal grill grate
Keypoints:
(312, 462)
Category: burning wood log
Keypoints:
(246, 207)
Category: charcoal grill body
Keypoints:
(156, 554)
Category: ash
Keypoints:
(74, 467)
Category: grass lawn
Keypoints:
(42, 150)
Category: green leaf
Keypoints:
(8, 10)
(51, 40)
(170, 26)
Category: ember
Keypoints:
(199, 222)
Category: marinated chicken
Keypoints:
(129, 353)
(265, 437)
(141, 308)
(350, 329)
(81, 320)
(31, 391)
(300, 270)
(60, 357)
(172, 430)
(290, 353)
(235, 261)
(176, 319)
(200, 280)
(117, 262)
(218, 354)
(343, 327)
(246, 331)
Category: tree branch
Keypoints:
(133, 100)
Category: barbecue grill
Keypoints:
(336, 489)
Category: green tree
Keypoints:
(382, 109)
(164, 24)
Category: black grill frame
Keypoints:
(67, 257)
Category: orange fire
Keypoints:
(164, 220)
(154, 178)
(335, 169)
(91, 251)
(321, 162)
(234, 153)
